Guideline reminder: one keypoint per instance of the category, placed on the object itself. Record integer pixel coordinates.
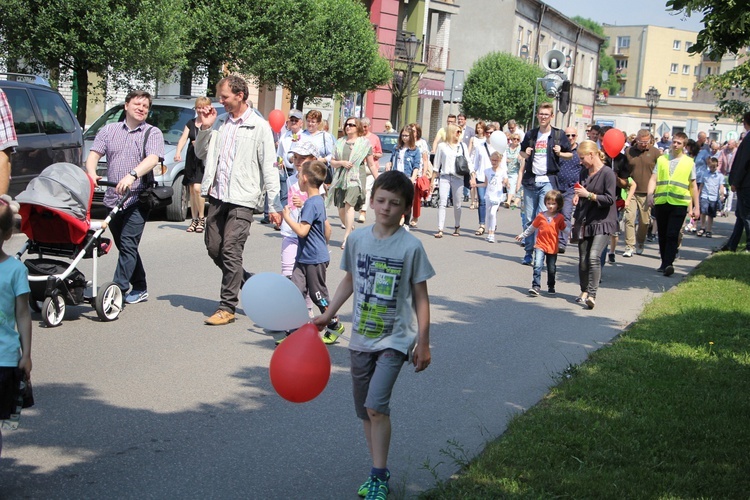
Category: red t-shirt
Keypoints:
(548, 232)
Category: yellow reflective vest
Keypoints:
(674, 189)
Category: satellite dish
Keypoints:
(605, 75)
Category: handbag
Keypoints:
(154, 196)
(329, 168)
(462, 164)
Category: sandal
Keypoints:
(582, 298)
(480, 231)
(709, 235)
(192, 226)
(456, 231)
(201, 226)
(700, 232)
(412, 224)
(439, 234)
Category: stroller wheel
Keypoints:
(53, 310)
(108, 302)
(34, 305)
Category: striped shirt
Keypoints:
(8, 137)
(124, 150)
(227, 147)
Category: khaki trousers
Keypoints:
(637, 207)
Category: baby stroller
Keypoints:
(55, 216)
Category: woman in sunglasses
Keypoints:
(449, 182)
(352, 158)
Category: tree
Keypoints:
(606, 61)
(324, 48)
(218, 29)
(500, 87)
(725, 31)
(137, 39)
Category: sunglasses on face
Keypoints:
(570, 135)
(350, 125)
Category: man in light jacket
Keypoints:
(239, 154)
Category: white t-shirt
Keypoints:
(539, 167)
(445, 158)
(383, 273)
(494, 193)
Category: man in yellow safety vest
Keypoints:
(671, 190)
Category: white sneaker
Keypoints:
(628, 252)
(491, 238)
(639, 249)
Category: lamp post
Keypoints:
(652, 100)
(411, 46)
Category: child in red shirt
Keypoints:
(549, 224)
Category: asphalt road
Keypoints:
(157, 405)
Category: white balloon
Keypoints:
(499, 141)
(273, 302)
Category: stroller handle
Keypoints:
(123, 198)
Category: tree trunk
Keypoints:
(300, 102)
(82, 80)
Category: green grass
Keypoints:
(664, 412)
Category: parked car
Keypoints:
(388, 142)
(47, 129)
(170, 115)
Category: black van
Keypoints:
(47, 129)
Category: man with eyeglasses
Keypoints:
(542, 147)
(570, 173)
(642, 160)
(285, 161)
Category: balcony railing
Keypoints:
(622, 52)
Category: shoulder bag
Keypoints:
(154, 196)
(462, 164)
(329, 168)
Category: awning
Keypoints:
(431, 89)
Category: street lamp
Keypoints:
(411, 46)
(652, 100)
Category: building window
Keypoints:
(528, 38)
(685, 69)
(623, 42)
(697, 71)
(708, 70)
(671, 92)
(622, 89)
(621, 64)
(683, 92)
(673, 68)
(676, 45)
(688, 45)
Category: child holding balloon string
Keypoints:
(301, 151)
(387, 270)
(313, 231)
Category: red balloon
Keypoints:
(613, 141)
(276, 120)
(301, 366)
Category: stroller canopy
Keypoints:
(62, 187)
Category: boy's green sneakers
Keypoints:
(378, 489)
(365, 488)
(332, 334)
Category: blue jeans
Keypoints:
(539, 257)
(589, 264)
(533, 203)
(567, 212)
(127, 228)
(482, 208)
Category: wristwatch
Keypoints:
(134, 173)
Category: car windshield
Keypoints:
(388, 142)
(171, 120)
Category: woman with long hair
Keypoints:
(407, 158)
(193, 170)
(448, 181)
(352, 158)
(595, 216)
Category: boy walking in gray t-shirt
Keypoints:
(387, 271)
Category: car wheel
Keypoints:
(177, 210)
(108, 302)
(53, 310)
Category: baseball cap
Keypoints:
(295, 113)
(304, 148)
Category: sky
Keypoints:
(628, 12)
